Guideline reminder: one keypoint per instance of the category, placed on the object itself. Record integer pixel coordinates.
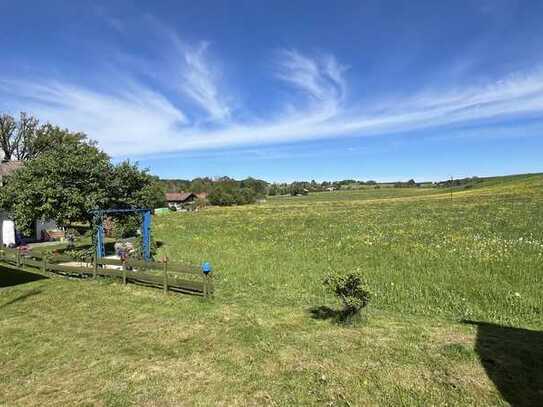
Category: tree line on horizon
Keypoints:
(229, 191)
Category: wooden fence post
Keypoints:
(94, 266)
(165, 259)
(206, 271)
(124, 271)
(205, 284)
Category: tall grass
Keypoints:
(477, 256)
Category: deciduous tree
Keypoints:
(63, 185)
(26, 139)
(69, 180)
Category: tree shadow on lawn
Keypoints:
(338, 316)
(11, 277)
(513, 360)
(21, 297)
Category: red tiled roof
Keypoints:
(178, 196)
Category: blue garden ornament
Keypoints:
(206, 267)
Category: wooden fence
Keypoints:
(169, 276)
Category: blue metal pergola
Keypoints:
(145, 214)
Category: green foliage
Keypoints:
(80, 254)
(258, 186)
(130, 187)
(138, 248)
(466, 182)
(222, 191)
(67, 182)
(63, 185)
(274, 190)
(227, 195)
(71, 235)
(409, 184)
(351, 290)
(125, 226)
(26, 139)
(297, 188)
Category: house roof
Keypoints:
(8, 167)
(178, 196)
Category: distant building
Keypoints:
(181, 200)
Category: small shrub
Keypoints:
(125, 226)
(352, 291)
(80, 254)
(71, 235)
(137, 253)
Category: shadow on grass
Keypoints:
(513, 360)
(337, 316)
(11, 277)
(21, 297)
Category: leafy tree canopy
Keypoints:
(130, 187)
(69, 180)
(25, 139)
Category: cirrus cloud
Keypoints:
(140, 119)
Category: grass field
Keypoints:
(456, 317)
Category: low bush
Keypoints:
(125, 226)
(351, 290)
(80, 254)
(230, 195)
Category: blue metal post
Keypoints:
(100, 247)
(146, 235)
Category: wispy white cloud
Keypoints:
(321, 79)
(140, 120)
(123, 123)
(200, 82)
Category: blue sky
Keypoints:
(383, 90)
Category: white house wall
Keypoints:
(7, 230)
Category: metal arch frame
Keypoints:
(145, 229)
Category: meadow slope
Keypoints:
(456, 316)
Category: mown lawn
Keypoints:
(456, 316)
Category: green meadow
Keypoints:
(456, 315)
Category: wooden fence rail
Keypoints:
(169, 276)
